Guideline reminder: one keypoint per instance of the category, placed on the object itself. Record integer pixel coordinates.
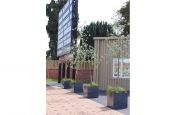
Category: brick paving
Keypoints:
(64, 102)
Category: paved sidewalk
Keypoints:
(64, 102)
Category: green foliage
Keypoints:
(48, 53)
(124, 20)
(72, 82)
(92, 84)
(77, 81)
(86, 85)
(98, 29)
(52, 11)
(83, 54)
(66, 79)
(118, 47)
(111, 90)
(49, 80)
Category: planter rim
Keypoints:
(78, 82)
(66, 81)
(91, 86)
(118, 93)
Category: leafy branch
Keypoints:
(84, 54)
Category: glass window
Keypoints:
(59, 52)
(66, 13)
(121, 67)
(60, 45)
(60, 36)
(70, 8)
(67, 30)
(67, 41)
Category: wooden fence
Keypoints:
(104, 71)
(52, 69)
(52, 64)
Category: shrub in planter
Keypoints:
(90, 90)
(117, 98)
(72, 82)
(66, 83)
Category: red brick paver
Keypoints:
(64, 102)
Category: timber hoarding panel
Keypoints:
(52, 64)
(52, 69)
(104, 71)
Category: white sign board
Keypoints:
(65, 27)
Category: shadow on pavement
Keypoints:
(105, 109)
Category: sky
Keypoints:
(95, 10)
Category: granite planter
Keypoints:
(78, 87)
(66, 84)
(117, 100)
(90, 92)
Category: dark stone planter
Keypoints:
(66, 84)
(117, 101)
(90, 92)
(78, 87)
(128, 92)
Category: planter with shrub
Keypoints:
(77, 86)
(66, 83)
(117, 98)
(90, 90)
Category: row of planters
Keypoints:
(69, 83)
(89, 90)
(117, 97)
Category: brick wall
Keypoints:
(52, 69)
(52, 73)
(84, 75)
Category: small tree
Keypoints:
(119, 48)
(123, 20)
(84, 53)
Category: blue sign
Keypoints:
(67, 24)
